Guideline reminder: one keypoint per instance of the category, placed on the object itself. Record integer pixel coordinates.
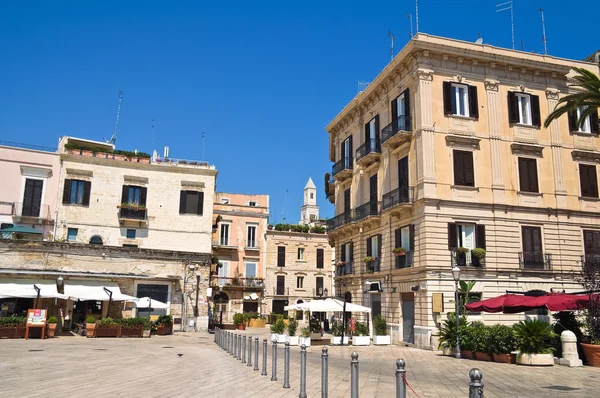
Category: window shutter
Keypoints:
(377, 126)
(379, 244)
(397, 238)
(447, 98)
(319, 258)
(67, 191)
(200, 209)
(143, 195)
(87, 187)
(281, 256)
(367, 131)
(343, 254)
(182, 199)
(452, 238)
(473, 103)
(536, 119)
(572, 116)
(459, 172)
(350, 146)
(537, 239)
(533, 177)
(468, 169)
(351, 252)
(395, 111)
(480, 236)
(342, 153)
(406, 109)
(588, 180)
(524, 183)
(411, 237)
(594, 122)
(513, 108)
(125, 194)
(369, 247)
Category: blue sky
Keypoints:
(262, 79)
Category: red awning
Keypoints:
(513, 303)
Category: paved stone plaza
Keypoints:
(76, 366)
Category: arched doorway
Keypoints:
(221, 301)
(96, 240)
(299, 314)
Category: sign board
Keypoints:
(36, 318)
(437, 303)
(209, 292)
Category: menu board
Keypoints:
(36, 317)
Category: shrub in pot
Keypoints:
(292, 327)
(467, 342)
(481, 342)
(534, 342)
(277, 331)
(11, 326)
(164, 325)
(502, 343)
(447, 337)
(107, 327)
(304, 338)
(238, 321)
(51, 326)
(90, 326)
(336, 331)
(381, 337)
(361, 334)
(591, 281)
(315, 329)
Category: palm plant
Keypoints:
(587, 100)
(534, 336)
(447, 336)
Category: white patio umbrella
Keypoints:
(335, 305)
(147, 302)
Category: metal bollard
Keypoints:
(239, 353)
(475, 386)
(227, 342)
(216, 334)
(249, 350)
(354, 375)
(274, 362)
(324, 373)
(255, 354)
(235, 340)
(264, 367)
(400, 372)
(244, 349)
(302, 372)
(286, 365)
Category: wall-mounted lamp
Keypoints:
(415, 288)
(392, 290)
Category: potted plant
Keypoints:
(132, 327)
(336, 332)
(534, 343)
(277, 330)
(361, 334)
(51, 326)
(591, 281)
(107, 327)
(478, 256)
(164, 325)
(466, 342)
(292, 327)
(90, 326)
(11, 326)
(461, 251)
(503, 343)
(304, 338)
(447, 336)
(381, 337)
(147, 329)
(238, 321)
(399, 251)
(316, 332)
(481, 342)
(368, 259)
(247, 318)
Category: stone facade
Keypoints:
(430, 181)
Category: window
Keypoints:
(300, 282)
(372, 134)
(346, 153)
(32, 197)
(374, 250)
(134, 195)
(280, 285)
(463, 168)
(524, 109)
(528, 179)
(281, 256)
(72, 234)
(301, 253)
(250, 270)
(460, 100)
(347, 253)
(223, 273)
(586, 127)
(405, 238)
(590, 123)
(312, 195)
(155, 292)
(469, 236)
(588, 181)
(532, 256)
(224, 236)
(319, 281)
(320, 258)
(473, 298)
(131, 234)
(401, 112)
(252, 204)
(591, 242)
(96, 240)
(77, 192)
(251, 236)
(191, 202)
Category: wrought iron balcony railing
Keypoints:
(535, 260)
(370, 146)
(340, 219)
(20, 209)
(466, 259)
(344, 269)
(373, 265)
(402, 123)
(397, 196)
(405, 261)
(368, 209)
(132, 213)
(590, 260)
(281, 291)
(341, 165)
(238, 282)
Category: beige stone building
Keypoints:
(239, 245)
(446, 149)
(298, 259)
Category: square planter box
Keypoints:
(293, 340)
(336, 340)
(9, 332)
(382, 340)
(132, 332)
(535, 359)
(361, 340)
(280, 338)
(316, 336)
(163, 330)
(107, 332)
(304, 341)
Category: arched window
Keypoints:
(96, 240)
(300, 313)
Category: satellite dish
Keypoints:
(479, 41)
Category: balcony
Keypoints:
(344, 269)
(405, 261)
(252, 244)
(368, 153)
(373, 265)
(466, 260)
(340, 220)
(535, 261)
(281, 291)
(397, 132)
(226, 244)
(369, 209)
(238, 283)
(342, 169)
(590, 260)
(399, 196)
(26, 213)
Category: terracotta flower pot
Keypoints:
(483, 356)
(51, 329)
(592, 354)
(505, 358)
(90, 328)
(467, 354)
(241, 326)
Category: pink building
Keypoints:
(239, 249)
(29, 191)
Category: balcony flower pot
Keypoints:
(505, 358)
(592, 354)
(382, 340)
(483, 356)
(164, 330)
(467, 354)
(337, 340)
(304, 341)
(535, 359)
(361, 340)
(292, 340)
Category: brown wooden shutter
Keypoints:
(397, 238)
(533, 177)
(411, 237)
(459, 171)
(350, 150)
(379, 244)
(594, 122)
(200, 209)
(182, 201)
(343, 253)
(406, 109)
(143, 195)
(447, 89)
(87, 187)
(473, 103)
(452, 237)
(572, 116)
(351, 252)
(125, 194)
(320, 256)
(468, 169)
(281, 256)
(536, 118)
(377, 126)
(480, 236)
(513, 108)
(588, 180)
(369, 248)
(367, 131)
(67, 191)
(394, 112)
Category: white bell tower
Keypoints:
(310, 211)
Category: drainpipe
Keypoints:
(57, 201)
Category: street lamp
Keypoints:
(325, 292)
(456, 276)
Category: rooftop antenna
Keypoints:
(411, 31)
(391, 36)
(362, 86)
(203, 136)
(153, 132)
(417, 14)
(508, 6)
(283, 211)
(544, 32)
(522, 46)
(113, 139)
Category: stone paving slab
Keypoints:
(75, 366)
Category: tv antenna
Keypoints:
(544, 32)
(417, 15)
(508, 6)
(409, 16)
(362, 86)
(479, 39)
(203, 137)
(391, 36)
(113, 139)
(284, 202)
(153, 132)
